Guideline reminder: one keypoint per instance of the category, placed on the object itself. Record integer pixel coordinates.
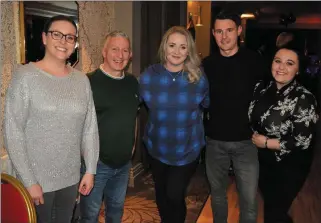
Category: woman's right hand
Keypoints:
(259, 140)
(36, 193)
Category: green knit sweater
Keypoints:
(116, 102)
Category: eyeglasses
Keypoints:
(56, 35)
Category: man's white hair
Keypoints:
(116, 33)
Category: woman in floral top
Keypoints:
(283, 117)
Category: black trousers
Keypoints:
(171, 183)
(280, 182)
(58, 206)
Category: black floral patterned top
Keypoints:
(288, 114)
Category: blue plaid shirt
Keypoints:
(174, 133)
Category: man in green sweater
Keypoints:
(116, 101)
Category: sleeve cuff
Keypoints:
(91, 169)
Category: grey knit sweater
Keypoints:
(49, 122)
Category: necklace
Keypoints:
(175, 76)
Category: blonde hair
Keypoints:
(192, 62)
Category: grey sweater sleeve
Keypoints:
(15, 117)
(90, 137)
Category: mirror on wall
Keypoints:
(33, 16)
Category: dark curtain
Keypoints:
(156, 18)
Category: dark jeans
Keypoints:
(58, 206)
(280, 182)
(171, 183)
(246, 168)
(110, 183)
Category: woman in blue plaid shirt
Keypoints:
(175, 92)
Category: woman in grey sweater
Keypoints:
(50, 121)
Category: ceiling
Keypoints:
(307, 14)
(51, 8)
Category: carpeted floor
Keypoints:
(140, 206)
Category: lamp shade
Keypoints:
(199, 16)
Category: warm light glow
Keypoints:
(247, 16)
(199, 22)
(309, 19)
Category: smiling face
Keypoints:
(55, 48)
(226, 34)
(116, 54)
(176, 51)
(285, 67)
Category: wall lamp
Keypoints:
(247, 16)
(199, 15)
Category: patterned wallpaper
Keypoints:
(8, 46)
(96, 19)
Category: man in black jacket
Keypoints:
(232, 73)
